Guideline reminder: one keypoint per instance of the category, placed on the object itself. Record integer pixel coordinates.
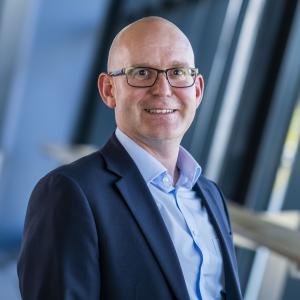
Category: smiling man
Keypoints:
(135, 220)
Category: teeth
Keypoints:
(160, 111)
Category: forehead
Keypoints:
(159, 45)
(157, 55)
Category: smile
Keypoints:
(160, 111)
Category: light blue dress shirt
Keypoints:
(185, 217)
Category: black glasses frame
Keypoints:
(124, 71)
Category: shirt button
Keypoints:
(166, 181)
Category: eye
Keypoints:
(178, 72)
(141, 73)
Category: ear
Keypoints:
(199, 85)
(106, 90)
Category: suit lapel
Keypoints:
(142, 205)
(216, 217)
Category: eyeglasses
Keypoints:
(143, 77)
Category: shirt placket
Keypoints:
(192, 227)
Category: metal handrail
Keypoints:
(264, 230)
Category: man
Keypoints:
(135, 220)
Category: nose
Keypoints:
(161, 86)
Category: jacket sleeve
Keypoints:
(59, 257)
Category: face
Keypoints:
(159, 113)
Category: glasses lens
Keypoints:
(141, 77)
(181, 77)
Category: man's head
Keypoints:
(159, 112)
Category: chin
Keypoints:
(162, 135)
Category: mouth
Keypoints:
(160, 111)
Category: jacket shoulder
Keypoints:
(79, 168)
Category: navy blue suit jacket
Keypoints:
(93, 231)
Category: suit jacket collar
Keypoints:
(224, 234)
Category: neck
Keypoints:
(164, 151)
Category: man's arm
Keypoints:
(59, 257)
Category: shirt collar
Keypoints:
(147, 164)
(190, 170)
(153, 170)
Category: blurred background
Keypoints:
(245, 135)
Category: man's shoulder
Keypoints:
(81, 171)
(96, 169)
(87, 163)
(211, 188)
(206, 183)
(214, 193)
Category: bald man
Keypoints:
(136, 219)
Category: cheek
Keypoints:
(128, 105)
(129, 95)
(188, 99)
